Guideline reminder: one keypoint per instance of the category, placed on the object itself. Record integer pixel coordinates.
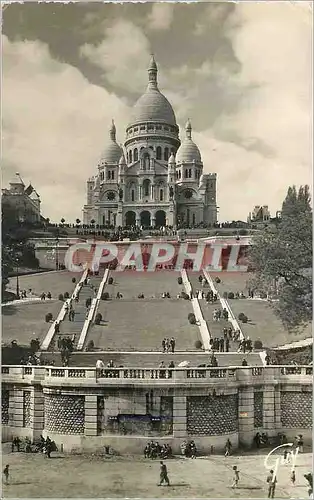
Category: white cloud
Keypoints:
(161, 16)
(55, 124)
(123, 54)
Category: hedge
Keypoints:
(230, 295)
(258, 344)
(110, 281)
(180, 280)
(105, 296)
(48, 317)
(61, 297)
(192, 319)
(198, 344)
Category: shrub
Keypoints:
(198, 344)
(241, 316)
(217, 280)
(245, 319)
(61, 297)
(184, 296)
(48, 317)
(105, 296)
(230, 295)
(192, 319)
(263, 295)
(190, 315)
(66, 295)
(90, 345)
(243, 232)
(73, 280)
(98, 319)
(180, 280)
(225, 295)
(110, 280)
(258, 344)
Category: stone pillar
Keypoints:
(37, 412)
(119, 218)
(153, 192)
(246, 415)
(179, 416)
(18, 408)
(90, 415)
(138, 220)
(277, 408)
(140, 192)
(269, 409)
(153, 221)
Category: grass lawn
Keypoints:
(142, 324)
(152, 284)
(53, 282)
(33, 476)
(23, 322)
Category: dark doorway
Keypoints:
(145, 219)
(130, 218)
(160, 218)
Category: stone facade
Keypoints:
(27, 420)
(5, 398)
(207, 416)
(24, 200)
(153, 179)
(258, 409)
(296, 410)
(64, 414)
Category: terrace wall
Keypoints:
(126, 407)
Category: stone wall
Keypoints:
(64, 414)
(5, 401)
(296, 410)
(27, 420)
(166, 414)
(258, 409)
(208, 416)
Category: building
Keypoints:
(154, 179)
(260, 213)
(25, 201)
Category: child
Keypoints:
(236, 476)
(6, 474)
(292, 477)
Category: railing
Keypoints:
(231, 373)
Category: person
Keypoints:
(163, 474)
(292, 477)
(300, 442)
(6, 474)
(271, 481)
(236, 476)
(228, 447)
(309, 478)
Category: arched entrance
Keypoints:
(160, 218)
(130, 218)
(145, 219)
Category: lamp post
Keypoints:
(17, 279)
(57, 256)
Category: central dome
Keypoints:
(153, 105)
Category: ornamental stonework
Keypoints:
(27, 409)
(296, 410)
(210, 416)
(5, 401)
(65, 414)
(258, 409)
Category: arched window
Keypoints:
(166, 154)
(108, 175)
(158, 153)
(193, 219)
(132, 195)
(146, 187)
(130, 157)
(186, 173)
(112, 175)
(190, 173)
(135, 154)
(161, 195)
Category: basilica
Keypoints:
(154, 179)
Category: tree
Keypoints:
(281, 257)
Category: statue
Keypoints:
(171, 192)
(120, 194)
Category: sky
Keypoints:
(240, 71)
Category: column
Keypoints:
(153, 192)
(140, 192)
(269, 409)
(153, 221)
(246, 415)
(37, 413)
(18, 408)
(179, 416)
(90, 415)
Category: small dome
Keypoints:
(188, 151)
(171, 160)
(122, 160)
(112, 152)
(153, 105)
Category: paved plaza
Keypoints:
(33, 476)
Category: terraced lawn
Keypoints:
(232, 282)
(141, 324)
(152, 284)
(22, 322)
(263, 323)
(53, 282)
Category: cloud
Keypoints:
(161, 16)
(123, 55)
(55, 124)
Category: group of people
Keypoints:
(188, 449)
(45, 296)
(245, 345)
(154, 450)
(46, 446)
(219, 314)
(168, 345)
(221, 344)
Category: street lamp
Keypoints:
(17, 279)
(57, 256)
